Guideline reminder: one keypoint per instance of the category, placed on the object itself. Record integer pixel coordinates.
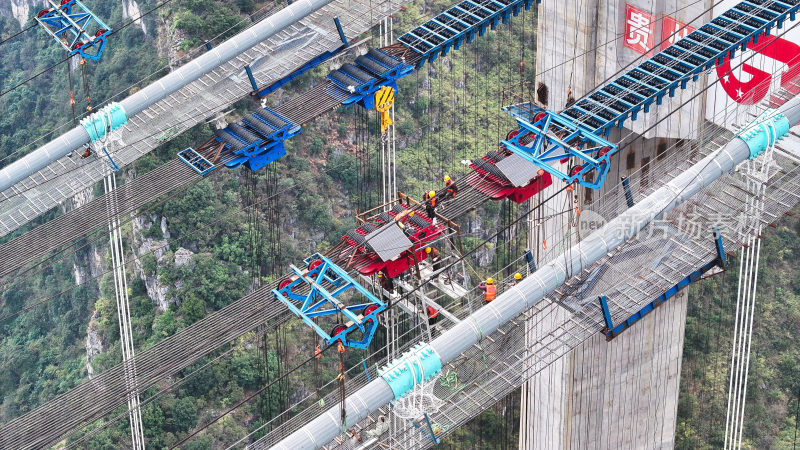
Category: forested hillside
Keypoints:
(199, 251)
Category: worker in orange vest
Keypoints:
(430, 205)
(489, 290)
(451, 187)
(433, 315)
(433, 253)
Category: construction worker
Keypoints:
(517, 278)
(430, 205)
(87, 152)
(433, 253)
(386, 282)
(408, 230)
(489, 290)
(433, 315)
(317, 352)
(451, 187)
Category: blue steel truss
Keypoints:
(647, 84)
(76, 28)
(552, 137)
(611, 331)
(317, 300)
(459, 24)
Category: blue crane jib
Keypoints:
(647, 84)
(75, 28)
(324, 289)
(358, 83)
(459, 24)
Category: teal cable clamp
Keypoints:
(104, 121)
(413, 368)
(767, 129)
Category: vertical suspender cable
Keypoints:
(123, 313)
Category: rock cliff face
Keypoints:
(21, 10)
(143, 246)
(94, 343)
(130, 10)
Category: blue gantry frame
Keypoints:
(76, 28)
(637, 90)
(552, 137)
(611, 331)
(319, 301)
(196, 161)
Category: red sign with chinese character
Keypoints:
(640, 30)
(673, 31)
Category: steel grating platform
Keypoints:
(271, 60)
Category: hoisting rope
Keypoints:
(342, 392)
(71, 93)
(86, 86)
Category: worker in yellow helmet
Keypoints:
(451, 187)
(430, 205)
(517, 279)
(436, 261)
(489, 290)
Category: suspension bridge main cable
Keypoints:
(599, 322)
(285, 374)
(651, 127)
(681, 191)
(284, 310)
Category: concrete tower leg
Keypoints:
(623, 393)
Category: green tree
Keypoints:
(193, 308)
(184, 414)
(165, 325)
